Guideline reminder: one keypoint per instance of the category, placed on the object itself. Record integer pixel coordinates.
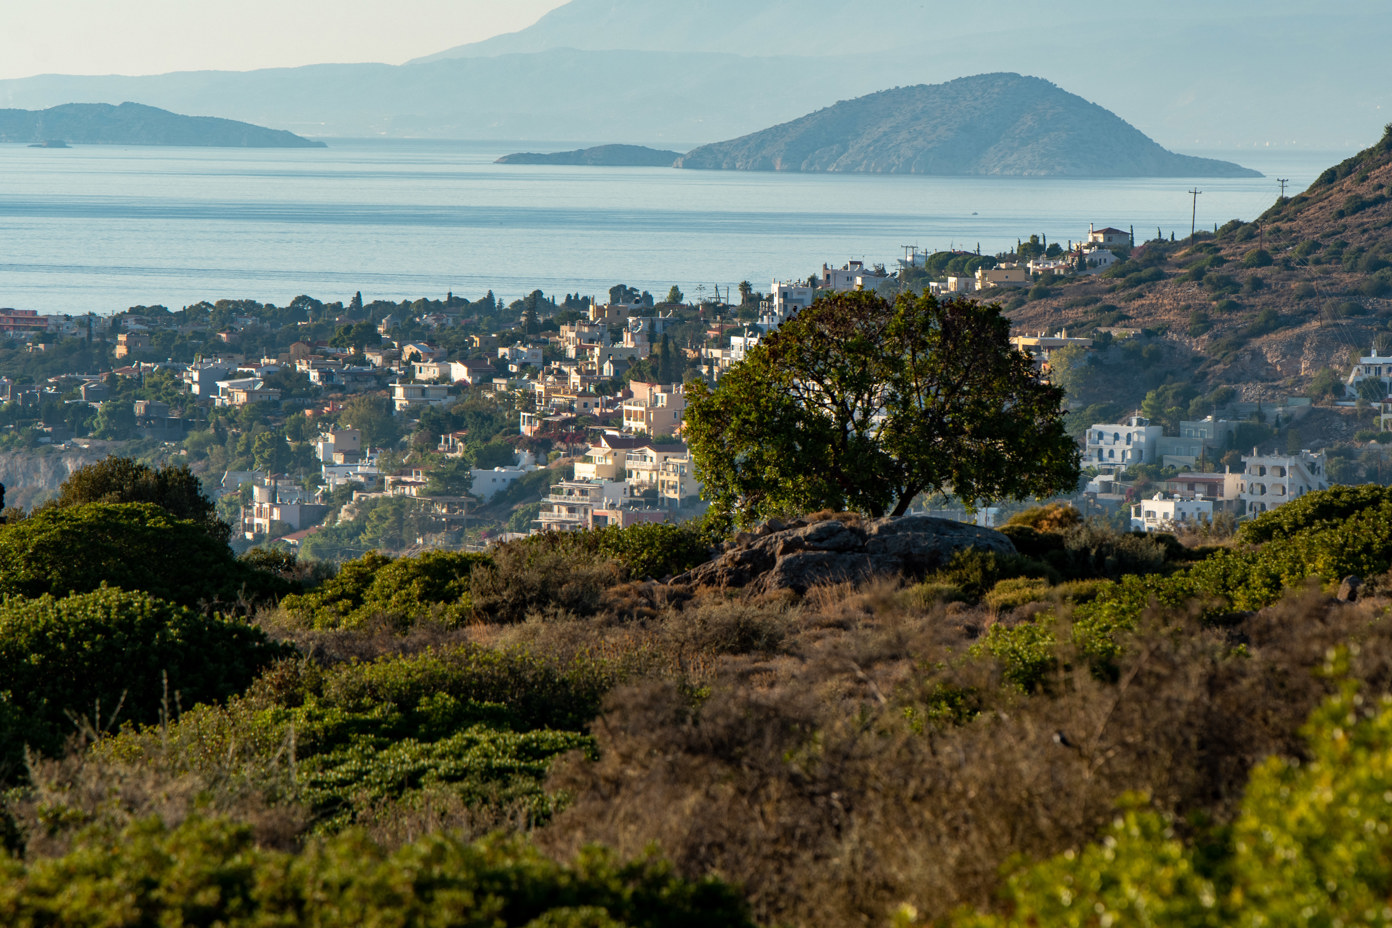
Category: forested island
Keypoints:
(613, 156)
(136, 124)
(990, 124)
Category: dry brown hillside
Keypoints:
(1267, 304)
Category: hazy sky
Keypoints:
(155, 36)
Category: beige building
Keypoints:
(655, 409)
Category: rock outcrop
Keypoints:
(801, 555)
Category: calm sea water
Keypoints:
(104, 228)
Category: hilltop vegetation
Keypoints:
(1271, 307)
(991, 124)
(453, 734)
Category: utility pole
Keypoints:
(1283, 181)
(1194, 217)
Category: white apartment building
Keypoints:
(571, 504)
(1271, 480)
(1164, 513)
(1116, 446)
(853, 276)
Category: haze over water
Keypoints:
(104, 228)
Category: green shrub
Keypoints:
(1309, 847)
(479, 724)
(559, 572)
(434, 585)
(1016, 592)
(113, 656)
(134, 546)
(974, 572)
(1026, 652)
(209, 872)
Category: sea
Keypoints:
(104, 228)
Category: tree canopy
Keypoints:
(857, 403)
(123, 480)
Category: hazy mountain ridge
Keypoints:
(991, 124)
(663, 72)
(136, 124)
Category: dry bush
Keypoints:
(813, 790)
(85, 788)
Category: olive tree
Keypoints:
(859, 403)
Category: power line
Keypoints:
(1283, 181)
(1194, 217)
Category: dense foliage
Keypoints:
(122, 480)
(475, 725)
(210, 872)
(400, 592)
(134, 546)
(106, 658)
(857, 403)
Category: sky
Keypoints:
(157, 36)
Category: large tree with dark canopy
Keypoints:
(858, 403)
(174, 488)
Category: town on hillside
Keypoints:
(339, 428)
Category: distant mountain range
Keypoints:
(134, 124)
(1002, 124)
(675, 73)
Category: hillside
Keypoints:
(991, 124)
(1265, 305)
(610, 156)
(134, 124)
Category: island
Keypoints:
(608, 156)
(990, 124)
(136, 124)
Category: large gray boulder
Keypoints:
(802, 555)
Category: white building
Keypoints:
(1116, 446)
(489, 483)
(1164, 513)
(408, 396)
(1109, 237)
(854, 276)
(571, 505)
(1271, 480)
(1373, 367)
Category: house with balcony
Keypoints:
(1272, 480)
(1117, 446)
(571, 504)
(415, 396)
(278, 502)
(676, 480)
(654, 409)
(1371, 369)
